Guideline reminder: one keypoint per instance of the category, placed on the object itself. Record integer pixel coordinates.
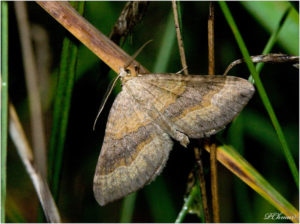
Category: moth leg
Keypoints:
(182, 138)
(170, 128)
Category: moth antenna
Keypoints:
(107, 94)
(136, 54)
(112, 85)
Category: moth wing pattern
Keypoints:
(133, 153)
(197, 105)
(148, 111)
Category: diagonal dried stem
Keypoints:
(98, 43)
(19, 138)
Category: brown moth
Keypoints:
(151, 110)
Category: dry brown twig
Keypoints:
(98, 43)
(267, 58)
(179, 39)
(201, 177)
(213, 151)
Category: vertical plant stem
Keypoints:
(214, 183)
(213, 153)
(167, 44)
(4, 102)
(261, 90)
(61, 109)
(187, 203)
(38, 132)
(211, 43)
(272, 40)
(202, 184)
(179, 37)
(127, 208)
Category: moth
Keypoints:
(150, 111)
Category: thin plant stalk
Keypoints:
(261, 90)
(211, 43)
(187, 203)
(128, 208)
(213, 153)
(62, 104)
(178, 29)
(272, 40)
(4, 102)
(39, 182)
(31, 77)
(202, 183)
(167, 44)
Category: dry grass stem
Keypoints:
(98, 43)
(43, 55)
(19, 138)
(214, 183)
(267, 58)
(38, 133)
(211, 43)
(213, 159)
(197, 153)
(179, 38)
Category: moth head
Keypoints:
(124, 74)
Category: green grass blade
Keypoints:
(159, 200)
(272, 40)
(243, 170)
(195, 193)
(260, 129)
(62, 107)
(128, 208)
(4, 102)
(167, 44)
(262, 92)
(267, 14)
(236, 139)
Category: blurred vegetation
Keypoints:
(251, 133)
